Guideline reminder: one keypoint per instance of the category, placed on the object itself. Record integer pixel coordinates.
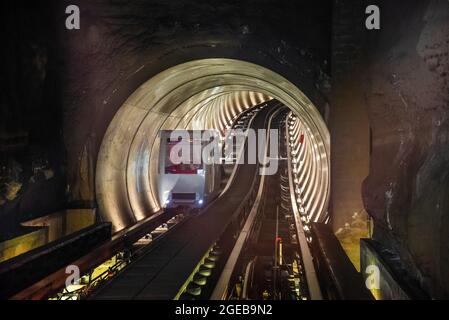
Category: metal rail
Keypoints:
(245, 210)
(221, 289)
(311, 276)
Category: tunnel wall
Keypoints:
(400, 77)
(408, 84)
(128, 173)
(127, 167)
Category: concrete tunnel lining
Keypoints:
(127, 166)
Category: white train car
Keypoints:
(190, 183)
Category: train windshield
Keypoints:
(191, 163)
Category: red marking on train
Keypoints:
(181, 169)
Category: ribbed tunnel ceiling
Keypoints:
(203, 94)
(220, 110)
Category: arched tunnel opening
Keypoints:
(202, 94)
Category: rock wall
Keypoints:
(397, 77)
(406, 87)
(32, 156)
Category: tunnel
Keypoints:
(356, 92)
(202, 94)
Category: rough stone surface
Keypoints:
(407, 95)
(32, 181)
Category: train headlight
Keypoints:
(200, 202)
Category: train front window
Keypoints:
(191, 164)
